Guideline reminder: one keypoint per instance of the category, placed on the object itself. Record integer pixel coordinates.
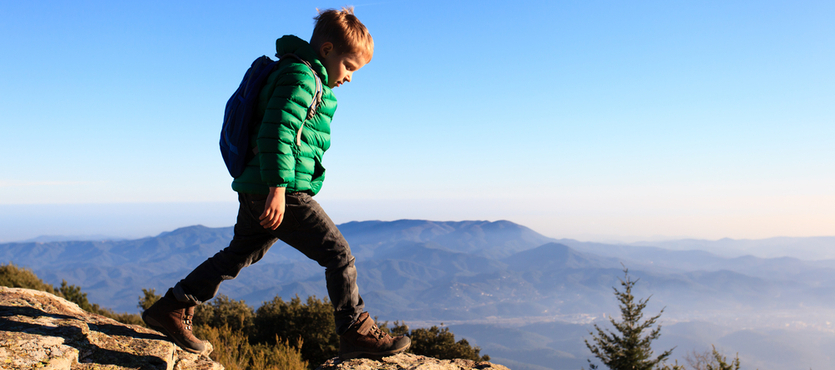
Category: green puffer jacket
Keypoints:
(281, 109)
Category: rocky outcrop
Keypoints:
(408, 361)
(40, 330)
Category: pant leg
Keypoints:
(249, 244)
(312, 232)
(307, 228)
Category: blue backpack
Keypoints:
(237, 120)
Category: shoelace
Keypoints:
(377, 333)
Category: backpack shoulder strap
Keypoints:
(317, 96)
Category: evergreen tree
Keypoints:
(629, 348)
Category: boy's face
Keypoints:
(340, 67)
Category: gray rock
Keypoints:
(40, 330)
(408, 361)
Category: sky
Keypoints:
(591, 120)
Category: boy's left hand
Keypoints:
(273, 209)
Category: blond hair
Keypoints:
(343, 30)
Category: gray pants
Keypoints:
(305, 227)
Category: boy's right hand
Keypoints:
(273, 209)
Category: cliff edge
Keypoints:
(408, 361)
(40, 330)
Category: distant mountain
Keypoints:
(483, 238)
(809, 248)
(438, 270)
(676, 261)
(65, 238)
(462, 273)
(557, 256)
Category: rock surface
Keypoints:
(408, 361)
(40, 330)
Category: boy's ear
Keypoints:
(325, 49)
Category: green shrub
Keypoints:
(279, 335)
(74, 294)
(233, 350)
(18, 277)
(148, 298)
(711, 360)
(222, 311)
(398, 328)
(440, 343)
(307, 326)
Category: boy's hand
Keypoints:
(273, 209)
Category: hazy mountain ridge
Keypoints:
(814, 272)
(426, 271)
(808, 248)
(488, 239)
(451, 266)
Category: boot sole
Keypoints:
(153, 324)
(374, 355)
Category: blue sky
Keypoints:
(594, 120)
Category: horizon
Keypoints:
(598, 121)
(99, 234)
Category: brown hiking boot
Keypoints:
(365, 339)
(173, 318)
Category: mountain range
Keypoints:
(525, 298)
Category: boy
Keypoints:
(276, 188)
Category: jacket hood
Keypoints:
(293, 44)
